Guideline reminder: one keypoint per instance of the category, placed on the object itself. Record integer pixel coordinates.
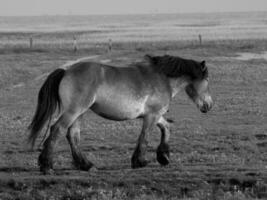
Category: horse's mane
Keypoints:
(173, 66)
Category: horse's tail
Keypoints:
(48, 102)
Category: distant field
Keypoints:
(221, 155)
(58, 31)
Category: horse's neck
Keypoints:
(177, 84)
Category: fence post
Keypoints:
(75, 47)
(200, 39)
(109, 45)
(31, 42)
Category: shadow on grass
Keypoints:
(16, 169)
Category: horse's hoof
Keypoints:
(139, 164)
(46, 167)
(45, 162)
(163, 154)
(163, 159)
(85, 167)
(47, 171)
(82, 164)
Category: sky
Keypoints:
(87, 7)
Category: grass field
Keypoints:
(220, 155)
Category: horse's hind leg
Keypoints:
(46, 156)
(138, 158)
(163, 152)
(73, 136)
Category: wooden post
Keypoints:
(109, 45)
(200, 39)
(31, 42)
(75, 47)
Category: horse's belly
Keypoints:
(119, 107)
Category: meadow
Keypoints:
(220, 155)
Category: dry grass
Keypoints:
(221, 155)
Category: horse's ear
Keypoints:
(203, 65)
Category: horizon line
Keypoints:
(144, 13)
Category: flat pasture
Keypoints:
(218, 155)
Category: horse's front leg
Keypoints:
(163, 151)
(138, 158)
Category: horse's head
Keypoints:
(193, 73)
(198, 88)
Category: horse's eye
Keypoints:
(190, 90)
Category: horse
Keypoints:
(141, 90)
